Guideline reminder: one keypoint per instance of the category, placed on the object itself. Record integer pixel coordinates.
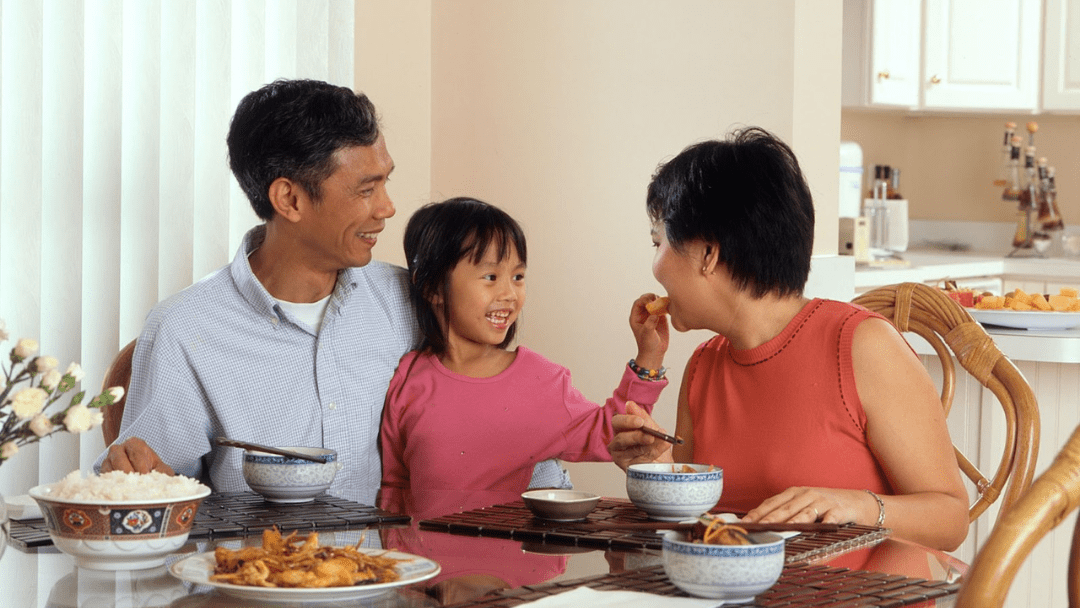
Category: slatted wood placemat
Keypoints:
(237, 514)
(514, 520)
(800, 586)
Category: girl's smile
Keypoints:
(485, 299)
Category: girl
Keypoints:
(465, 415)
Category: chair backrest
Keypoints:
(118, 374)
(951, 331)
(1020, 527)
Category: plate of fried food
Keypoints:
(1020, 310)
(298, 569)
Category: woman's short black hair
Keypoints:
(747, 196)
(291, 129)
(437, 237)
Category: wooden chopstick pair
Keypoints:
(748, 526)
(668, 438)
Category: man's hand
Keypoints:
(631, 446)
(134, 456)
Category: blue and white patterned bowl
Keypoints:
(734, 573)
(284, 479)
(667, 494)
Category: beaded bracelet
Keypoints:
(881, 508)
(647, 374)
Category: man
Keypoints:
(295, 341)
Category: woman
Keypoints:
(817, 410)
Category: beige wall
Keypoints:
(948, 163)
(560, 110)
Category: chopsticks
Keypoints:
(748, 526)
(664, 436)
(233, 443)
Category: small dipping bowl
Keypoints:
(674, 492)
(290, 480)
(560, 505)
(733, 573)
(118, 534)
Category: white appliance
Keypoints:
(851, 181)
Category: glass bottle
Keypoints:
(1012, 188)
(1006, 154)
(894, 185)
(1049, 213)
(1029, 191)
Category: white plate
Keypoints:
(198, 568)
(1026, 319)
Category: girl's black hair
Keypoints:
(437, 237)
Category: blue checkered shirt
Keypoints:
(221, 358)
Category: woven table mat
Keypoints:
(514, 520)
(800, 585)
(237, 514)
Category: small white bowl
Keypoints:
(290, 480)
(560, 505)
(667, 494)
(734, 573)
(120, 534)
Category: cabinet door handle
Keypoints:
(883, 75)
(935, 80)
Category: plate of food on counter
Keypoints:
(1020, 310)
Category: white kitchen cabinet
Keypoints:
(981, 54)
(955, 55)
(882, 49)
(1061, 56)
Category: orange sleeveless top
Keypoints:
(785, 413)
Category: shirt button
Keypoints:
(273, 320)
(332, 405)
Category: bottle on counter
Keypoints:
(1029, 191)
(1049, 217)
(1012, 187)
(1002, 180)
(1032, 127)
(893, 191)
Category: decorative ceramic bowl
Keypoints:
(667, 493)
(284, 479)
(733, 573)
(118, 534)
(560, 505)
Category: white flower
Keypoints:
(8, 449)
(41, 425)
(45, 364)
(51, 379)
(28, 402)
(117, 393)
(3, 331)
(76, 372)
(25, 347)
(80, 418)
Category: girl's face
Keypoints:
(485, 298)
(679, 272)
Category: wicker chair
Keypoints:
(949, 328)
(118, 374)
(1054, 495)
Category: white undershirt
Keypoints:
(310, 314)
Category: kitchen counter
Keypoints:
(931, 267)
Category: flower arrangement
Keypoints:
(23, 415)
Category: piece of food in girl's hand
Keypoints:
(658, 306)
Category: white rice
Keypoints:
(117, 485)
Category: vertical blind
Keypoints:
(114, 186)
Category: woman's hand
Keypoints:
(650, 333)
(803, 505)
(631, 446)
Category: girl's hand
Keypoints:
(829, 505)
(631, 446)
(650, 332)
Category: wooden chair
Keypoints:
(1054, 495)
(951, 331)
(118, 374)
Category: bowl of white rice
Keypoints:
(117, 520)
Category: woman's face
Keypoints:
(485, 298)
(679, 272)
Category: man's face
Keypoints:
(343, 226)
